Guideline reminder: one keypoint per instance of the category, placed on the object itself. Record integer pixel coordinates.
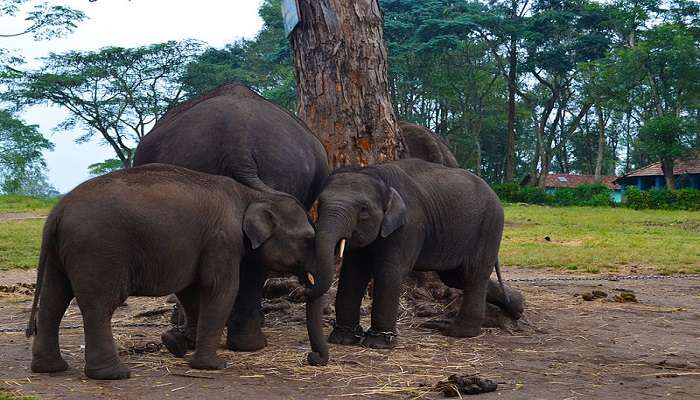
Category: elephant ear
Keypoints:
(258, 224)
(394, 213)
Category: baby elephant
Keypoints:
(405, 215)
(151, 231)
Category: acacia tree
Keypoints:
(115, 93)
(22, 165)
(342, 84)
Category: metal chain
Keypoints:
(78, 326)
(606, 278)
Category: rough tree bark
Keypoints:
(342, 83)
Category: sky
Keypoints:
(127, 24)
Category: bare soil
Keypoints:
(564, 348)
(14, 216)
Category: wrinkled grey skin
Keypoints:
(423, 143)
(234, 132)
(405, 215)
(154, 230)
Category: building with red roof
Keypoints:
(686, 173)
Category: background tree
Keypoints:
(115, 93)
(22, 164)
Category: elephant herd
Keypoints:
(219, 196)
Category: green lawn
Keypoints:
(584, 239)
(26, 204)
(600, 239)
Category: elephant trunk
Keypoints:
(314, 325)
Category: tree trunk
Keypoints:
(667, 168)
(342, 84)
(509, 172)
(601, 145)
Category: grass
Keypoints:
(19, 243)
(581, 238)
(26, 204)
(601, 239)
(7, 395)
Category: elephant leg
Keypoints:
(101, 357)
(55, 296)
(215, 305)
(182, 338)
(385, 307)
(354, 278)
(244, 333)
(471, 314)
(513, 304)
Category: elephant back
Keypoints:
(423, 143)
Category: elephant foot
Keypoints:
(177, 342)
(346, 336)
(113, 371)
(47, 365)
(461, 329)
(246, 335)
(380, 340)
(207, 362)
(246, 342)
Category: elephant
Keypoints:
(159, 229)
(421, 142)
(234, 132)
(397, 217)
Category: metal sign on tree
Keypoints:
(290, 14)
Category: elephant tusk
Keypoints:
(342, 248)
(311, 278)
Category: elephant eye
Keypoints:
(364, 211)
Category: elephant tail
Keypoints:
(47, 246)
(500, 282)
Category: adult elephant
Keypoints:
(423, 143)
(233, 131)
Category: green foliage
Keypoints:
(666, 138)
(683, 199)
(264, 63)
(44, 20)
(591, 195)
(115, 93)
(507, 191)
(22, 164)
(104, 167)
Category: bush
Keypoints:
(507, 192)
(533, 195)
(683, 199)
(688, 199)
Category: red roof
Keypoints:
(680, 167)
(572, 181)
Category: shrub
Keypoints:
(683, 199)
(635, 198)
(533, 195)
(507, 192)
(688, 199)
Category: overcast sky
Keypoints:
(127, 24)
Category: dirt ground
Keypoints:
(564, 348)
